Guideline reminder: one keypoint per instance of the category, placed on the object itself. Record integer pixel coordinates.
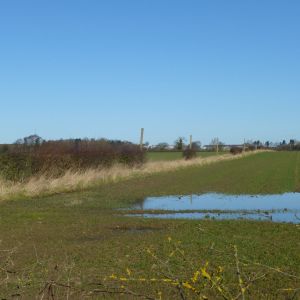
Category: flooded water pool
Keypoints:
(276, 208)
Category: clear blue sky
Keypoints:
(227, 69)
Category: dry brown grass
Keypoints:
(78, 180)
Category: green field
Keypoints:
(163, 156)
(66, 245)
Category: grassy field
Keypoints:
(163, 156)
(78, 245)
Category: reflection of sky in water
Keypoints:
(281, 208)
(290, 201)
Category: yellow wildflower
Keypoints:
(196, 276)
(123, 279)
(187, 286)
(205, 274)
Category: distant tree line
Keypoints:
(293, 145)
(180, 144)
(33, 156)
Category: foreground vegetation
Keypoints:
(78, 245)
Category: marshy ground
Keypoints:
(78, 245)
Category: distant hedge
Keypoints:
(54, 158)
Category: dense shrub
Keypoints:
(4, 148)
(236, 150)
(15, 166)
(131, 155)
(54, 158)
(189, 153)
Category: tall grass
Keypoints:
(77, 180)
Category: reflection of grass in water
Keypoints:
(212, 211)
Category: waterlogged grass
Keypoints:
(265, 173)
(69, 244)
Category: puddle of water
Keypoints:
(276, 208)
